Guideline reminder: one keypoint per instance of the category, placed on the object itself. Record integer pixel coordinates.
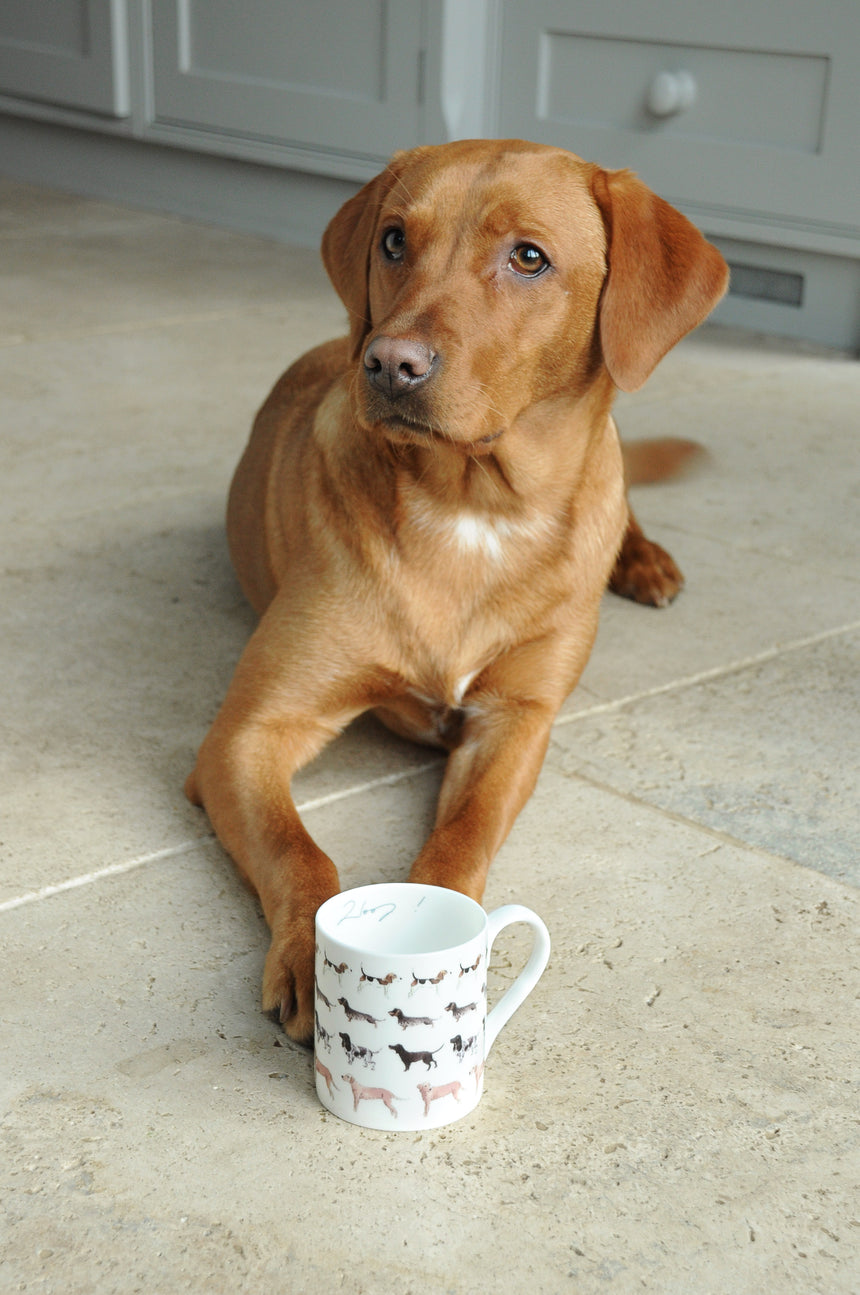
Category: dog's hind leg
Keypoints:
(643, 570)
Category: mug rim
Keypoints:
(377, 886)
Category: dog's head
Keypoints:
(485, 277)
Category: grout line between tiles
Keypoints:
(171, 851)
(384, 780)
(390, 779)
(112, 870)
(672, 816)
(704, 676)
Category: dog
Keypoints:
(404, 1021)
(431, 1094)
(461, 1046)
(353, 1015)
(426, 980)
(322, 1033)
(460, 1010)
(356, 1053)
(384, 981)
(409, 1058)
(429, 510)
(362, 1094)
(328, 1077)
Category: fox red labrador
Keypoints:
(428, 511)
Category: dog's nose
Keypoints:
(398, 364)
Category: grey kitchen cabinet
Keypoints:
(265, 114)
(72, 53)
(337, 75)
(328, 86)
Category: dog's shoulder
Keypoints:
(311, 373)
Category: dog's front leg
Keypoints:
(242, 778)
(297, 685)
(488, 779)
(508, 717)
(492, 771)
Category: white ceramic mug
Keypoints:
(402, 1030)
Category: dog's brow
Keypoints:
(399, 183)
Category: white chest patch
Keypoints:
(478, 533)
(475, 534)
(462, 685)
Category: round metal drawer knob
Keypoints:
(671, 92)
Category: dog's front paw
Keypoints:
(645, 572)
(288, 978)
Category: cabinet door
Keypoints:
(765, 114)
(68, 52)
(341, 75)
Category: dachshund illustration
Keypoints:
(353, 1015)
(409, 1058)
(410, 1020)
(321, 996)
(457, 1012)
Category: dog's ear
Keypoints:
(346, 247)
(663, 277)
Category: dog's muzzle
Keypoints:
(396, 366)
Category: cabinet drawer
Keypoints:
(752, 112)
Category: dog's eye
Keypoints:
(394, 244)
(528, 260)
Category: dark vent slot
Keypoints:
(766, 285)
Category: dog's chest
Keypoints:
(465, 589)
(487, 541)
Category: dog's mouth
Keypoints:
(421, 433)
(413, 428)
(409, 419)
(492, 436)
(414, 431)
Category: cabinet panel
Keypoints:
(341, 75)
(763, 122)
(73, 53)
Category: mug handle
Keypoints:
(530, 974)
